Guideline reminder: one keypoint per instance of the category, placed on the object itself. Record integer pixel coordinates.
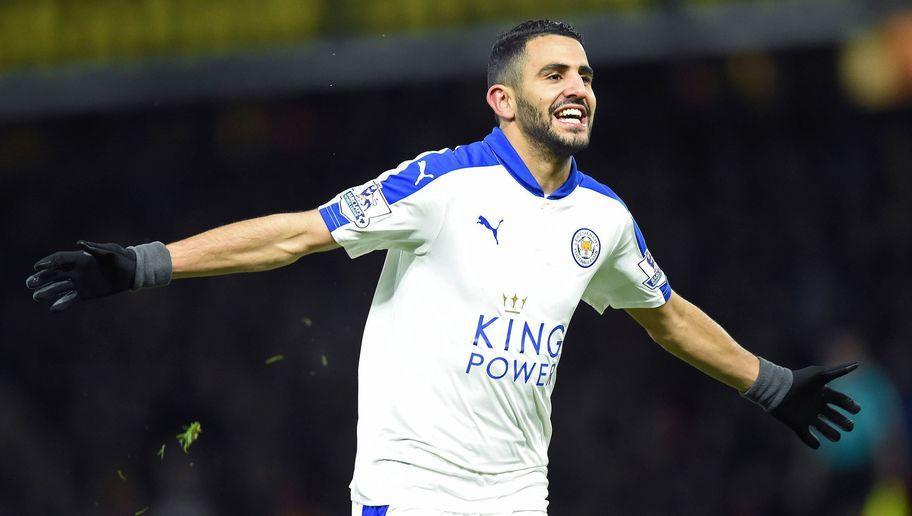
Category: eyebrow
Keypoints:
(558, 67)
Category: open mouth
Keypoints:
(572, 116)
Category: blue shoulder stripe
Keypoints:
(592, 184)
(411, 176)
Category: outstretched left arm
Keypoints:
(691, 335)
(800, 399)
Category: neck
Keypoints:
(549, 171)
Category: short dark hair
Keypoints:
(509, 47)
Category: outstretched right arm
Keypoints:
(98, 270)
(252, 245)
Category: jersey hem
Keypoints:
(474, 509)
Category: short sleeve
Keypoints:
(629, 277)
(398, 210)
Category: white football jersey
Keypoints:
(466, 329)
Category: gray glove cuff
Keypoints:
(153, 265)
(771, 385)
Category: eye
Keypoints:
(587, 79)
(554, 76)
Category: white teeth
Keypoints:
(575, 121)
(570, 112)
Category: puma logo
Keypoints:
(421, 175)
(484, 222)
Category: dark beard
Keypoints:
(542, 135)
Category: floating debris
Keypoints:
(274, 358)
(161, 452)
(307, 321)
(121, 475)
(189, 435)
(141, 511)
(324, 360)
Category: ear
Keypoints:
(500, 98)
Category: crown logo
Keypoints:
(514, 305)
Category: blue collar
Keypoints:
(508, 157)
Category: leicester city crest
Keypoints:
(585, 247)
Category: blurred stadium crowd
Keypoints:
(774, 194)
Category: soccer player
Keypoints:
(506, 235)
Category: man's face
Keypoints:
(555, 105)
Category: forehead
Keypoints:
(554, 49)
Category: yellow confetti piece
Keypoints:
(141, 511)
(275, 358)
(161, 452)
(121, 475)
(324, 360)
(307, 321)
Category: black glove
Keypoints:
(808, 402)
(97, 270)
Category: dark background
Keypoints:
(786, 217)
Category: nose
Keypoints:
(575, 87)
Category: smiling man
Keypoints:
(509, 235)
(541, 92)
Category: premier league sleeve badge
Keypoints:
(363, 203)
